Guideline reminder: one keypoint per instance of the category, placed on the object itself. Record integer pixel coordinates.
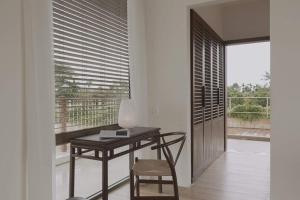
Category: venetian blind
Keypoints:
(91, 62)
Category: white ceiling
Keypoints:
(240, 19)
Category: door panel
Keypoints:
(198, 150)
(197, 103)
(207, 143)
(221, 136)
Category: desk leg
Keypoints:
(72, 172)
(159, 158)
(131, 158)
(104, 175)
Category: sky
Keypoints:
(247, 63)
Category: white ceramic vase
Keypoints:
(127, 114)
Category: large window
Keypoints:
(91, 62)
(91, 78)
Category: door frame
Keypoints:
(247, 40)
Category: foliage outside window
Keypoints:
(250, 102)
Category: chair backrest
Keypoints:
(180, 138)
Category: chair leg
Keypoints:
(131, 185)
(137, 186)
(137, 181)
(160, 188)
(175, 185)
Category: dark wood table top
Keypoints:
(95, 141)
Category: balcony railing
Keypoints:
(78, 113)
(261, 102)
(249, 117)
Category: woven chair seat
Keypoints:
(158, 168)
(152, 168)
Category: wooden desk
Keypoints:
(95, 148)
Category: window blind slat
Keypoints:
(76, 80)
(90, 75)
(91, 69)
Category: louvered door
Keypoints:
(207, 105)
(197, 75)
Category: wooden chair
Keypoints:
(158, 168)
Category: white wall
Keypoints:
(138, 59)
(167, 70)
(285, 70)
(12, 148)
(26, 103)
(39, 99)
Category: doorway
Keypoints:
(248, 90)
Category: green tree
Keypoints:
(235, 91)
(247, 112)
(267, 79)
(261, 91)
(65, 85)
(253, 108)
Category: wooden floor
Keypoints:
(240, 174)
